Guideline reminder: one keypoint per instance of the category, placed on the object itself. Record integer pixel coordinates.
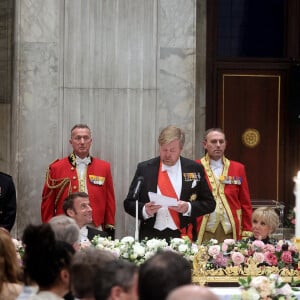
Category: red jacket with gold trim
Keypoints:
(62, 179)
(236, 198)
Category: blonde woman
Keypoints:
(265, 221)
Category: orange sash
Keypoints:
(167, 189)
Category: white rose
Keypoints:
(127, 239)
(183, 248)
(155, 243)
(139, 250)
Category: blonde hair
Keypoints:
(267, 215)
(170, 134)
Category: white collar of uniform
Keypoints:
(85, 161)
(216, 163)
(171, 169)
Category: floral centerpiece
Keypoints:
(138, 251)
(212, 262)
(266, 288)
(230, 260)
(236, 253)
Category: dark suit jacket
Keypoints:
(200, 197)
(92, 232)
(7, 201)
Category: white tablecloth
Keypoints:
(234, 293)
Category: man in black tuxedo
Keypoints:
(8, 205)
(174, 176)
(77, 206)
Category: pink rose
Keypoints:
(220, 260)
(269, 247)
(237, 258)
(258, 245)
(286, 257)
(224, 247)
(258, 257)
(229, 241)
(270, 259)
(293, 248)
(214, 250)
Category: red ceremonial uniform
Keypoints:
(235, 197)
(62, 179)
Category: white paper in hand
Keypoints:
(162, 200)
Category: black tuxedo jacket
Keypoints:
(200, 196)
(92, 232)
(8, 204)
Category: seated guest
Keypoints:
(118, 279)
(66, 229)
(10, 271)
(162, 273)
(84, 267)
(47, 262)
(265, 221)
(192, 292)
(77, 206)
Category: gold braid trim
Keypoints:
(60, 184)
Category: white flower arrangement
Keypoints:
(266, 288)
(139, 251)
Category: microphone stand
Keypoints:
(136, 234)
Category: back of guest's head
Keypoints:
(192, 292)
(65, 229)
(116, 276)
(69, 200)
(268, 215)
(170, 134)
(84, 267)
(10, 270)
(161, 273)
(44, 257)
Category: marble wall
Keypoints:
(127, 68)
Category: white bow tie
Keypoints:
(85, 161)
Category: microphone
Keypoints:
(138, 186)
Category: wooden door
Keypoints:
(249, 111)
(253, 80)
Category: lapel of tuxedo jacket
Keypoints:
(152, 172)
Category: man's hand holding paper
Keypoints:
(162, 200)
(172, 203)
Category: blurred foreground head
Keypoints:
(162, 273)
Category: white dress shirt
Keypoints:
(164, 219)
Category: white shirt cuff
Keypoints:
(145, 215)
(189, 211)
